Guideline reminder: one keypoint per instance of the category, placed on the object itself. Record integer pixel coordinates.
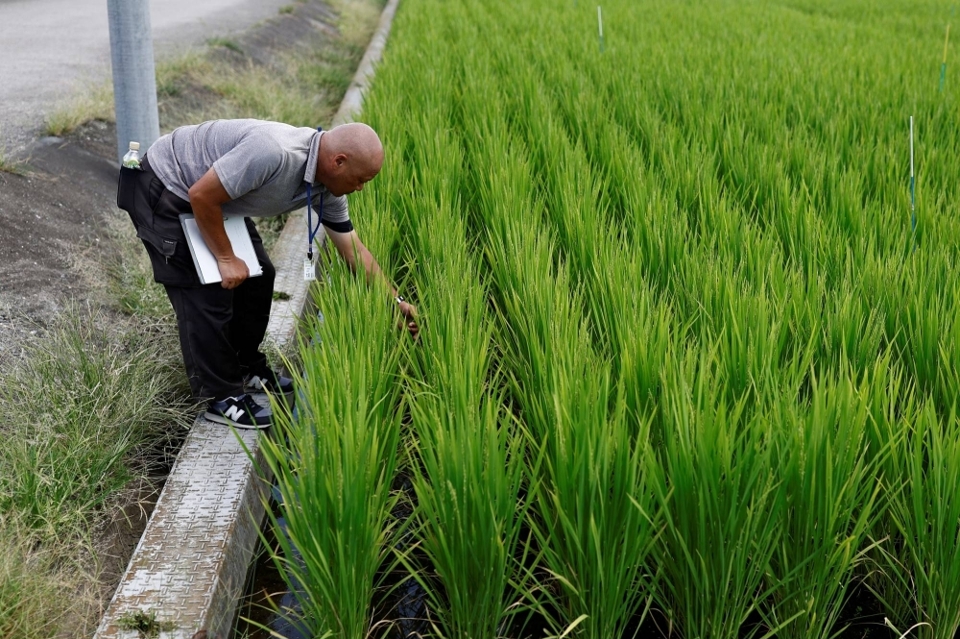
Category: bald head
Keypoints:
(356, 140)
(350, 156)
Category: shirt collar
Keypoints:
(310, 173)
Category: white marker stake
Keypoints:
(600, 25)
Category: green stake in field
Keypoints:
(943, 67)
(600, 26)
(913, 210)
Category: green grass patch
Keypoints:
(129, 285)
(10, 166)
(226, 43)
(86, 399)
(33, 588)
(94, 105)
(302, 88)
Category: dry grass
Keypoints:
(80, 109)
(9, 165)
(358, 19)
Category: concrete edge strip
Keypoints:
(191, 563)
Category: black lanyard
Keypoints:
(312, 230)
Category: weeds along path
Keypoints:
(682, 362)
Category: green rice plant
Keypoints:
(592, 518)
(470, 512)
(635, 329)
(468, 463)
(596, 521)
(831, 487)
(922, 562)
(334, 461)
(721, 496)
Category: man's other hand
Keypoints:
(409, 312)
(233, 270)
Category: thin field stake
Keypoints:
(943, 67)
(600, 26)
(913, 211)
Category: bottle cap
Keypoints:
(134, 146)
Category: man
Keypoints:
(251, 168)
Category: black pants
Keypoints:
(220, 330)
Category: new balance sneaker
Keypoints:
(269, 382)
(239, 412)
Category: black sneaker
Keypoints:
(239, 412)
(271, 383)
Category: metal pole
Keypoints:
(134, 76)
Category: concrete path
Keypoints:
(52, 49)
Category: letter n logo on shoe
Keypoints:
(234, 413)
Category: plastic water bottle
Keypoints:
(132, 159)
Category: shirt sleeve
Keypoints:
(336, 214)
(248, 165)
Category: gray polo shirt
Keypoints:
(264, 167)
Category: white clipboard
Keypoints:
(203, 259)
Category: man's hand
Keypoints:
(233, 270)
(409, 312)
(356, 255)
(207, 196)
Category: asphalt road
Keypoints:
(52, 49)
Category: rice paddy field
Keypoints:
(686, 368)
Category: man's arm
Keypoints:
(352, 250)
(207, 197)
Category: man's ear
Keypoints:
(340, 159)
